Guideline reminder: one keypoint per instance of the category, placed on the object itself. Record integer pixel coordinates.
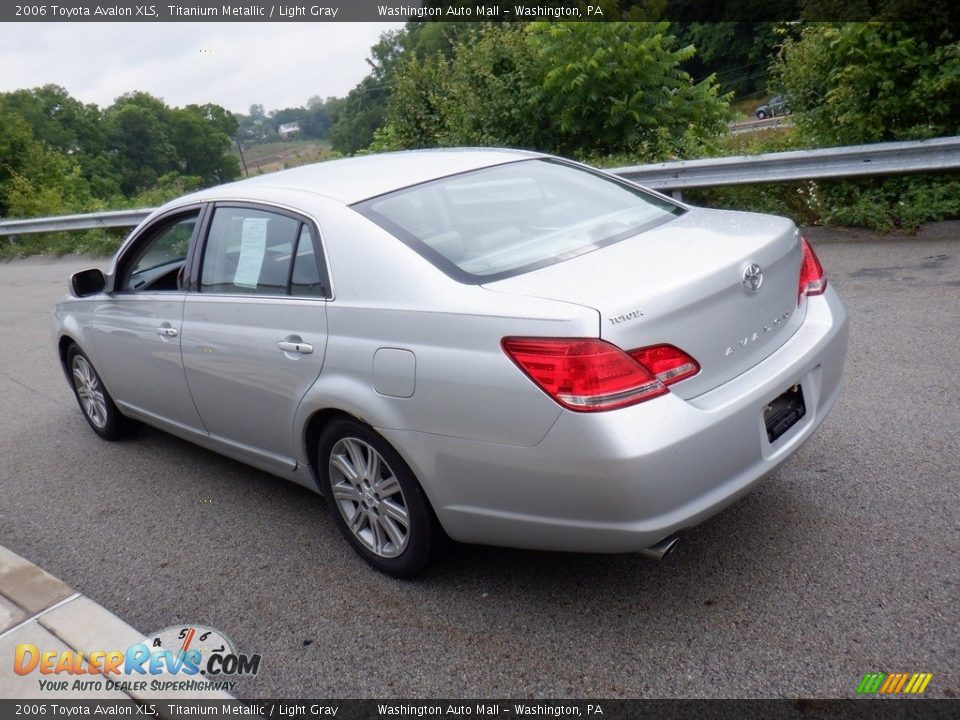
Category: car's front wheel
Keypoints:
(95, 402)
(375, 499)
(761, 114)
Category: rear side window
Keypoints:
(257, 252)
(306, 280)
(496, 222)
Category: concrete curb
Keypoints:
(37, 608)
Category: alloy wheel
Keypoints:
(369, 497)
(90, 392)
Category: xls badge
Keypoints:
(177, 658)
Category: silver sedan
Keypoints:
(494, 346)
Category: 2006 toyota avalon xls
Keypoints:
(503, 346)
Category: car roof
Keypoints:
(354, 179)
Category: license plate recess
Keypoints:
(783, 412)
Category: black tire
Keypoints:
(102, 414)
(371, 499)
(761, 114)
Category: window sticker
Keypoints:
(253, 247)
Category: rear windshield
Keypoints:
(497, 222)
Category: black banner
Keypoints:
(480, 11)
(854, 709)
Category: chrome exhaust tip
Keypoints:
(662, 548)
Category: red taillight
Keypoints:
(813, 280)
(667, 363)
(590, 375)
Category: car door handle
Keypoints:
(295, 347)
(167, 331)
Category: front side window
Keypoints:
(501, 221)
(158, 258)
(257, 252)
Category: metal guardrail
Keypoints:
(839, 162)
(746, 126)
(89, 221)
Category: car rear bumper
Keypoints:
(621, 481)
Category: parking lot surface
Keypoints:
(845, 562)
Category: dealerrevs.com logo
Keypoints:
(878, 683)
(179, 658)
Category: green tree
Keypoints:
(57, 119)
(737, 53)
(137, 127)
(49, 184)
(319, 116)
(856, 83)
(253, 127)
(285, 115)
(365, 107)
(34, 179)
(364, 110)
(200, 135)
(416, 115)
(497, 94)
(219, 118)
(65, 125)
(58, 155)
(615, 87)
(16, 147)
(584, 89)
(869, 82)
(489, 93)
(148, 140)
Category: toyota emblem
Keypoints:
(752, 278)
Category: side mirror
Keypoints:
(87, 282)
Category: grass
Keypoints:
(745, 105)
(744, 108)
(284, 154)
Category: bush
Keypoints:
(581, 89)
(856, 83)
(872, 82)
(899, 202)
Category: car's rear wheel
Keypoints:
(761, 114)
(375, 499)
(95, 402)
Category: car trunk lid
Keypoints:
(683, 283)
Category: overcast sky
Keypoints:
(232, 64)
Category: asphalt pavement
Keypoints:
(845, 562)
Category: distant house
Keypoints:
(288, 129)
